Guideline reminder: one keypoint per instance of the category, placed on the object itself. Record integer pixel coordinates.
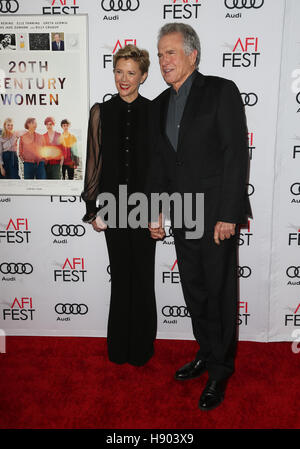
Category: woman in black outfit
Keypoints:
(118, 153)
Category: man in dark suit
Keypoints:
(201, 146)
(58, 44)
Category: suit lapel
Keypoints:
(192, 107)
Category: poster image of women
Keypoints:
(52, 151)
(9, 164)
(30, 151)
(28, 154)
(70, 150)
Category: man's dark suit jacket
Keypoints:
(212, 154)
(55, 48)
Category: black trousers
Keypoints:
(68, 169)
(208, 275)
(132, 322)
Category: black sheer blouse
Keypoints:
(118, 150)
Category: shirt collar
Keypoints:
(185, 87)
(132, 104)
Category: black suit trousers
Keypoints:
(208, 274)
(132, 321)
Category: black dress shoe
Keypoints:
(191, 370)
(212, 395)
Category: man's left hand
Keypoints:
(223, 231)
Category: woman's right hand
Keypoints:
(98, 224)
(156, 229)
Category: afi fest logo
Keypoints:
(293, 319)
(171, 276)
(17, 231)
(181, 9)
(61, 7)
(296, 149)
(118, 6)
(65, 199)
(294, 238)
(9, 6)
(21, 309)
(244, 53)
(243, 314)
(251, 146)
(108, 58)
(244, 237)
(72, 270)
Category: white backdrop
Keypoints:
(254, 43)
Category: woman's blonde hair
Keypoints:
(133, 52)
(4, 131)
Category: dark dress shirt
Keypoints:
(122, 143)
(175, 110)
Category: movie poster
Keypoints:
(44, 104)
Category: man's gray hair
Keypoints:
(190, 37)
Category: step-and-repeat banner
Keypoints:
(55, 276)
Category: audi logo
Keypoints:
(293, 272)
(120, 5)
(175, 311)
(9, 6)
(68, 230)
(16, 268)
(295, 188)
(244, 272)
(251, 189)
(169, 231)
(249, 99)
(247, 4)
(71, 309)
(298, 97)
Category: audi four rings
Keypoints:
(65, 230)
(250, 189)
(175, 311)
(16, 268)
(295, 188)
(249, 99)
(9, 6)
(247, 4)
(244, 272)
(120, 5)
(71, 309)
(293, 272)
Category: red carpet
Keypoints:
(68, 383)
